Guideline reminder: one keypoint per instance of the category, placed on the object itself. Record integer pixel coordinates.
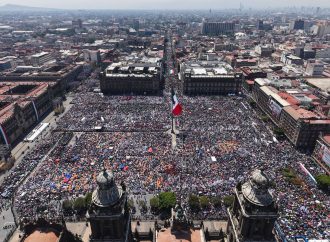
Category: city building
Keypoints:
(296, 110)
(109, 214)
(264, 50)
(314, 68)
(61, 74)
(22, 106)
(322, 53)
(260, 24)
(322, 28)
(41, 58)
(5, 64)
(291, 59)
(92, 56)
(135, 78)
(321, 153)
(210, 78)
(322, 88)
(252, 72)
(77, 24)
(298, 24)
(254, 212)
(217, 28)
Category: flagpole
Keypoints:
(172, 116)
(172, 124)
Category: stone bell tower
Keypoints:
(108, 214)
(254, 212)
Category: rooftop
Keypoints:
(19, 93)
(300, 113)
(320, 83)
(167, 235)
(41, 236)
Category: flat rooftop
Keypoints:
(321, 83)
(55, 71)
(167, 235)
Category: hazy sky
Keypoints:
(168, 4)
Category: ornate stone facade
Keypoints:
(254, 212)
(109, 214)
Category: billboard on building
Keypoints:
(324, 155)
(276, 109)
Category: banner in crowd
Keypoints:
(304, 169)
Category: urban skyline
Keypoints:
(168, 4)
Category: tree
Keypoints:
(79, 204)
(154, 204)
(288, 173)
(204, 202)
(323, 181)
(228, 200)
(88, 199)
(216, 201)
(278, 131)
(264, 118)
(167, 200)
(67, 205)
(193, 203)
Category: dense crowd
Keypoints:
(221, 140)
(116, 114)
(17, 175)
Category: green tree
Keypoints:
(288, 173)
(216, 201)
(204, 202)
(193, 202)
(228, 200)
(167, 200)
(278, 131)
(88, 199)
(154, 203)
(323, 181)
(264, 118)
(79, 204)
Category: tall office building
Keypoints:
(217, 28)
(298, 24)
(260, 25)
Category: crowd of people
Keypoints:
(21, 171)
(220, 141)
(132, 113)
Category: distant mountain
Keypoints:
(15, 8)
